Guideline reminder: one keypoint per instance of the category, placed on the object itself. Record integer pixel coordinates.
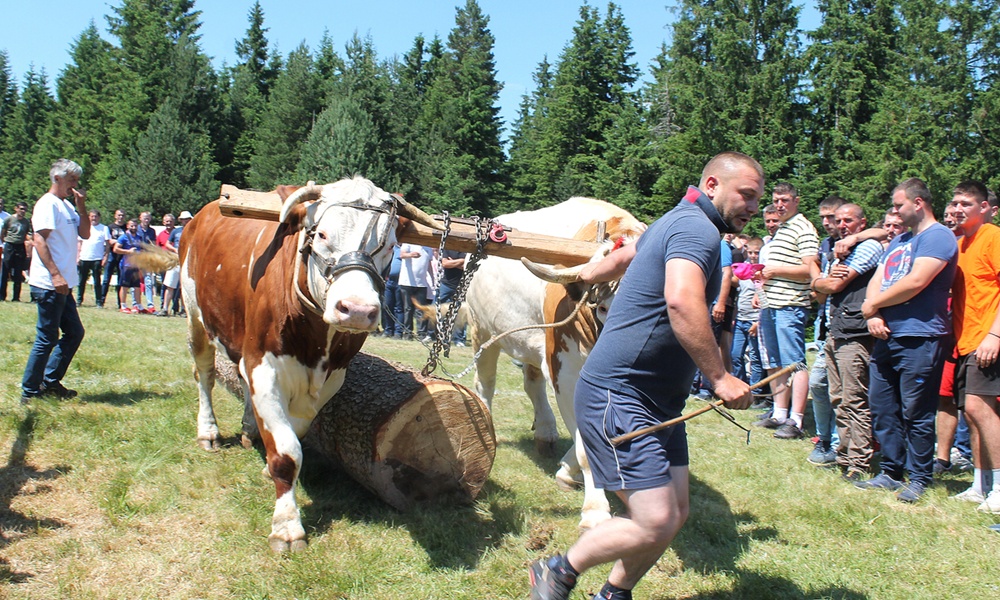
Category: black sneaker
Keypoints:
(769, 423)
(789, 431)
(548, 582)
(910, 493)
(880, 482)
(58, 390)
(27, 398)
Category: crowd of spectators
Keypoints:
(905, 381)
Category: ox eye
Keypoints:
(321, 235)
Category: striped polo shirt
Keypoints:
(795, 240)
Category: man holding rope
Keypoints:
(657, 333)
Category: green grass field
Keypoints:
(108, 496)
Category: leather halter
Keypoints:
(355, 259)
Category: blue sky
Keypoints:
(41, 32)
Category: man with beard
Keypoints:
(658, 332)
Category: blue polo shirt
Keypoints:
(637, 352)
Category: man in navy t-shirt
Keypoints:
(657, 333)
(907, 310)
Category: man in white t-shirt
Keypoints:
(93, 257)
(52, 276)
(415, 260)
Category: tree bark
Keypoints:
(405, 437)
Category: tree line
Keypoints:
(881, 90)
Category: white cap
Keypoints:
(185, 215)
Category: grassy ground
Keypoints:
(107, 496)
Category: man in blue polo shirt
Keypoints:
(658, 332)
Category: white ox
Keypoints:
(504, 295)
(291, 303)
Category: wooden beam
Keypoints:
(542, 249)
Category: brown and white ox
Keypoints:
(504, 295)
(290, 303)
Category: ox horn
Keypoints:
(413, 213)
(553, 275)
(304, 194)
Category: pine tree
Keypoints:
(343, 143)
(169, 170)
(8, 94)
(253, 53)
(20, 177)
(293, 105)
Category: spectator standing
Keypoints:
(169, 287)
(131, 277)
(392, 303)
(826, 427)
(746, 350)
(976, 306)
(414, 261)
(907, 311)
(657, 333)
(52, 275)
(792, 254)
(3, 213)
(15, 232)
(453, 263)
(117, 228)
(172, 278)
(849, 345)
(147, 235)
(93, 256)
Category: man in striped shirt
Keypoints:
(786, 275)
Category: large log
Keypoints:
(405, 437)
(542, 249)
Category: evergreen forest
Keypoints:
(881, 90)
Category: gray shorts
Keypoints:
(639, 464)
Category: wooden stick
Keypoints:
(618, 440)
(542, 249)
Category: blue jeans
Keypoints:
(445, 294)
(392, 308)
(50, 355)
(905, 378)
(150, 284)
(819, 389)
(85, 269)
(784, 335)
(744, 343)
(962, 441)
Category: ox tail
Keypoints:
(429, 312)
(154, 259)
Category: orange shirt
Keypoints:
(976, 291)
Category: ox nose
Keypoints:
(357, 315)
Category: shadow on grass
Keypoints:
(454, 536)
(755, 585)
(13, 478)
(127, 398)
(548, 464)
(713, 540)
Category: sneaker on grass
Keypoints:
(879, 482)
(789, 431)
(970, 495)
(769, 422)
(822, 455)
(549, 581)
(991, 504)
(853, 476)
(910, 493)
(57, 389)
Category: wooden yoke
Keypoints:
(542, 249)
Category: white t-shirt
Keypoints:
(60, 217)
(413, 271)
(95, 247)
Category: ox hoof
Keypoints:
(567, 482)
(246, 441)
(211, 445)
(546, 448)
(592, 518)
(281, 546)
